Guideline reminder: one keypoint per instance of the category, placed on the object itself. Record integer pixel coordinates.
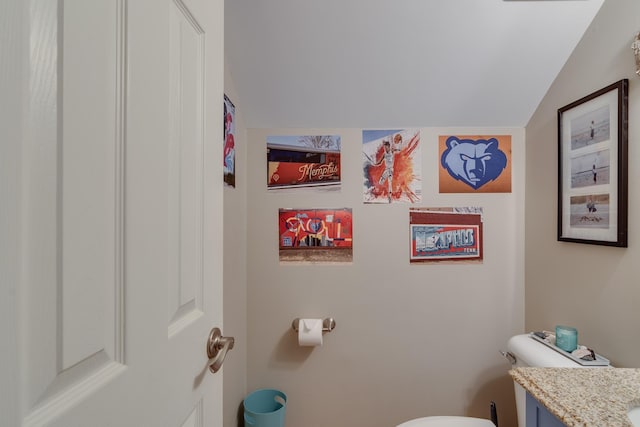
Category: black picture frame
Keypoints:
(593, 168)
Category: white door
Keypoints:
(112, 237)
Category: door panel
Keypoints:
(196, 73)
(121, 193)
(71, 332)
(186, 165)
(195, 417)
(89, 229)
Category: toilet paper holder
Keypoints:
(328, 324)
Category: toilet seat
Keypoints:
(447, 422)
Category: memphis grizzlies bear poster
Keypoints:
(391, 166)
(475, 164)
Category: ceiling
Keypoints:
(397, 63)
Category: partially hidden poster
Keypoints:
(229, 156)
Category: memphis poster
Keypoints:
(303, 161)
(445, 234)
(315, 235)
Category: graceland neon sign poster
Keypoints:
(316, 235)
(446, 234)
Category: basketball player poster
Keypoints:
(391, 166)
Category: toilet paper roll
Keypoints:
(310, 332)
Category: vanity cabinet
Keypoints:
(539, 416)
(594, 397)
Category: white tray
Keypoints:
(600, 361)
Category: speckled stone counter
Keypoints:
(592, 397)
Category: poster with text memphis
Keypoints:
(446, 234)
(475, 164)
(303, 161)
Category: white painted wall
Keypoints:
(411, 340)
(593, 288)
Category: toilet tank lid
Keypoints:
(529, 352)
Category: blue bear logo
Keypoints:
(473, 162)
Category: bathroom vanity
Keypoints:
(590, 397)
(538, 416)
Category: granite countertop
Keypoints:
(592, 397)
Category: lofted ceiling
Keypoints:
(397, 63)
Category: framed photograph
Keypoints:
(592, 168)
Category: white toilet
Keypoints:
(448, 422)
(522, 351)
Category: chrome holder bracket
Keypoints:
(328, 324)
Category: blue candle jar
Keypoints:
(566, 338)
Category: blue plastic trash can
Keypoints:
(265, 408)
